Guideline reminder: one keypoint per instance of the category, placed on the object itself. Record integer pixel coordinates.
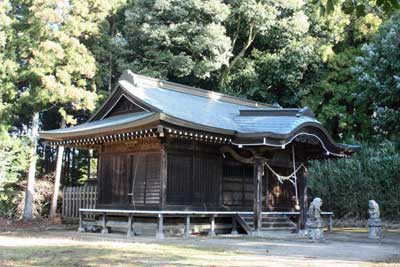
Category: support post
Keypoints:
(130, 232)
(330, 227)
(212, 226)
(234, 225)
(104, 224)
(164, 174)
(81, 228)
(303, 202)
(160, 227)
(257, 203)
(187, 227)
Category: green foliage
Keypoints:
(272, 66)
(359, 7)
(174, 38)
(13, 163)
(59, 57)
(334, 99)
(378, 72)
(8, 66)
(346, 185)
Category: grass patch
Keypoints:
(34, 251)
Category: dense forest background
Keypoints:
(60, 59)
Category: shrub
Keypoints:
(13, 163)
(346, 185)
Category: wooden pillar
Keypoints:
(266, 175)
(104, 224)
(212, 226)
(160, 227)
(164, 174)
(303, 200)
(257, 203)
(187, 227)
(234, 225)
(130, 232)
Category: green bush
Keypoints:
(13, 164)
(346, 185)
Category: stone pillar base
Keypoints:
(315, 230)
(374, 228)
(160, 235)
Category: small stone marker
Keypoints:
(374, 221)
(314, 224)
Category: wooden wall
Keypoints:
(194, 175)
(193, 180)
(237, 186)
(129, 175)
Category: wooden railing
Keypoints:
(77, 197)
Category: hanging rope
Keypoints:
(291, 177)
(282, 178)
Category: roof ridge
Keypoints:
(137, 79)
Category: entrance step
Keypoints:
(269, 222)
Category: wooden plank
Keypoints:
(257, 203)
(163, 178)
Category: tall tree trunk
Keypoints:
(30, 188)
(60, 152)
(111, 33)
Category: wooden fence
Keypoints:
(77, 197)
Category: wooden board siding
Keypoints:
(193, 180)
(206, 179)
(237, 186)
(124, 106)
(105, 179)
(179, 179)
(130, 168)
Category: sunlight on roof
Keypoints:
(214, 95)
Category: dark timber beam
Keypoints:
(257, 203)
(303, 199)
(163, 176)
(236, 156)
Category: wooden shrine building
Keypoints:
(164, 146)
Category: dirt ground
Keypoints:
(69, 248)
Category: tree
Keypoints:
(249, 19)
(378, 71)
(174, 38)
(8, 66)
(55, 68)
(332, 95)
(284, 56)
(360, 7)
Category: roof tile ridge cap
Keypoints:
(137, 79)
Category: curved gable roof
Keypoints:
(194, 108)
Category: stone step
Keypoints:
(274, 225)
(268, 219)
(271, 222)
